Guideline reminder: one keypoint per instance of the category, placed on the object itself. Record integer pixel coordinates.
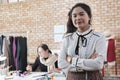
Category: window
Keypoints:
(59, 31)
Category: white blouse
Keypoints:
(95, 43)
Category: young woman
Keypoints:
(45, 60)
(83, 51)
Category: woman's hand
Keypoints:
(29, 68)
(55, 70)
(69, 59)
(94, 55)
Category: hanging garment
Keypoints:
(22, 53)
(111, 51)
(6, 50)
(1, 44)
(15, 52)
(11, 59)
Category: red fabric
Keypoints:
(111, 51)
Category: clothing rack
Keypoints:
(17, 33)
(25, 33)
(23, 36)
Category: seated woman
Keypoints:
(45, 60)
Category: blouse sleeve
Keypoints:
(56, 64)
(62, 62)
(92, 64)
(36, 64)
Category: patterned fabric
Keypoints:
(50, 62)
(87, 75)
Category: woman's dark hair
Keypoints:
(70, 27)
(44, 47)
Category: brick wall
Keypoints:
(36, 19)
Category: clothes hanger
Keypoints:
(109, 35)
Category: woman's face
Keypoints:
(42, 53)
(80, 19)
